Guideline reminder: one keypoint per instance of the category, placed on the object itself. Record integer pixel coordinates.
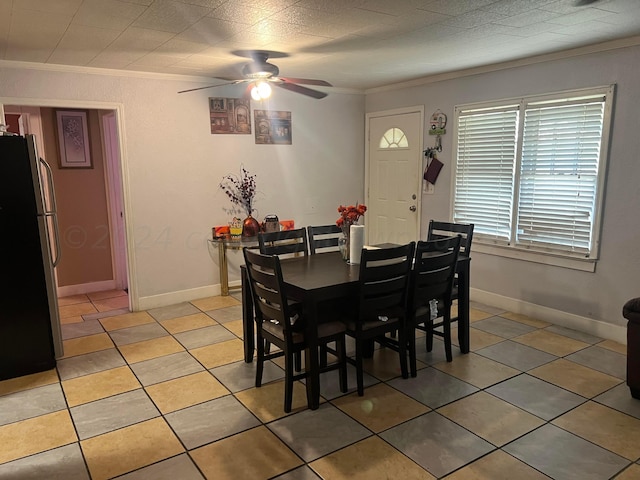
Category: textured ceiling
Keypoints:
(358, 44)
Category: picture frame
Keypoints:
(73, 138)
(230, 115)
(272, 127)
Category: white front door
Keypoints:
(394, 176)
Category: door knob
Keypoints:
(412, 208)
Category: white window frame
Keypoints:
(486, 244)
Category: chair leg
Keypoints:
(323, 355)
(298, 361)
(341, 350)
(288, 380)
(259, 358)
(402, 351)
(359, 367)
(446, 328)
(429, 328)
(411, 340)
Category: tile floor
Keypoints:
(164, 394)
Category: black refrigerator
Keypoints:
(30, 337)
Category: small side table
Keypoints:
(222, 245)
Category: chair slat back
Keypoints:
(266, 284)
(384, 278)
(439, 230)
(285, 242)
(323, 237)
(434, 271)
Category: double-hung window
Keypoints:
(530, 174)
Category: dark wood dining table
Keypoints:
(313, 279)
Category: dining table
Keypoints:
(314, 279)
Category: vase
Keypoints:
(250, 227)
(343, 243)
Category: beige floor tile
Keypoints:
(130, 448)
(88, 344)
(489, 417)
(604, 426)
(157, 347)
(66, 320)
(381, 407)
(497, 465)
(477, 339)
(385, 364)
(631, 473)
(256, 454)
(235, 327)
(76, 310)
(28, 382)
(188, 322)
(114, 303)
(219, 353)
(185, 391)
(576, 378)
(72, 299)
(95, 296)
(267, 402)
(213, 303)
(613, 346)
(552, 343)
(477, 315)
(36, 435)
(126, 320)
(477, 370)
(104, 384)
(369, 459)
(518, 317)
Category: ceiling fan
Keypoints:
(260, 75)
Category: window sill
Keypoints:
(584, 265)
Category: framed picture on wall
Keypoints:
(73, 139)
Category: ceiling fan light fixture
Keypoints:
(260, 91)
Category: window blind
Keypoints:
(484, 171)
(529, 171)
(559, 176)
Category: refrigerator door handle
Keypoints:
(53, 213)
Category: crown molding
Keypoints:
(547, 57)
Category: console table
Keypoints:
(222, 245)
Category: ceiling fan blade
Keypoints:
(293, 87)
(211, 86)
(306, 81)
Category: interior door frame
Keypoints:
(418, 166)
(126, 196)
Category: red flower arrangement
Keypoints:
(350, 215)
(241, 189)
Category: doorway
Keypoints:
(393, 172)
(83, 238)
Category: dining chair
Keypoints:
(381, 303)
(323, 237)
(442, 230)
(430, 289)
(285, 242)
(283, 325)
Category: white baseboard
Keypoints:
(79, 289)
(171, 298)
(557, 317)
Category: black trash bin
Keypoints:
(631, 311)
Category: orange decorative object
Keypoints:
(287, 224)
(221, 231)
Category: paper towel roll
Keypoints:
(356, 242)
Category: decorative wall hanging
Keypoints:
(73, 139)
(230, 115)
(272, 127)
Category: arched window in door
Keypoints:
(394, 138)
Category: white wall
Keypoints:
(596, 297)
(174, 165)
